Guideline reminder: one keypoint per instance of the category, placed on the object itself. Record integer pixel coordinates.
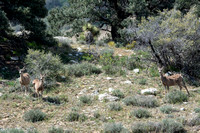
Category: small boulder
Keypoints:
(109, 78)
(110, 90)
(108, 97)
(1, 94)
(127, 82)
(136, 70)
(182, 109)
(149, 91)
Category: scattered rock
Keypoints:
(185, 102)
(73, 61)
(136, 70)
(1, 94)
(95, 93)
(127, 82)
(182, 109)
(109, 78)
(108, 97)
(119, 55)
(70, 54)
(79, 49)
(149, 91)
(14, 58)
(110, 89)
(82, 92)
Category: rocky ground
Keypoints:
(98, 87)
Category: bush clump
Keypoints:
(140, 100)
(53, 100)
(166, 126)
(114, 128)
(59, 130)
(82, 69)
(85, 100)
(75, 116)
(97, 115)
(197, 110)
(141, 113)
(34, 115)
(171, 126)
(176, 97)
(39, 62)
(195, 120)
(146, 127)
(167, 109)
(115, 107)
(118, 93)
(13, 130)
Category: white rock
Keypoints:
(109, 78)
(110, 89)
(136, 70)
(127, 82)
(119, 55)
(73, 61)
(79, 49)
(77, 54)
(1, 94)
(149, 91)
(70, 54)
(82, 92)
(14, 58)
(110, 98)
(95, 93)
(185, 102)
(182, 109)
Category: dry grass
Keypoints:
(12, 110)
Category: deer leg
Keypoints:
(168, 88)
(165, 89)
(185, 87)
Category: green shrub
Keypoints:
(143, 81)
(194, 121)
(59, 130)
(115, 107)
(176, 97)
(53, 100)
(114, 128)
(13, 130)
(32, 130)
(141, 113)
(118, 93)
(82, 117)
(167, 109)
(85, 100)
(97, 115)
(56, 130)
(197, 110)
(154, 72)
(113, 70)
(140, 100)
(171, 126)
(149, 127)
(46, 63)
(73, 116)
(34, 115)
(82, 69)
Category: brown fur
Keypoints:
(38, 85)
(173, 80)
(24, 79)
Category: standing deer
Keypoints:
(172, 80)
(38, 85)
(24, 79)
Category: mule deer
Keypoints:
(38, 85)
(24, 79)
(172, 80)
